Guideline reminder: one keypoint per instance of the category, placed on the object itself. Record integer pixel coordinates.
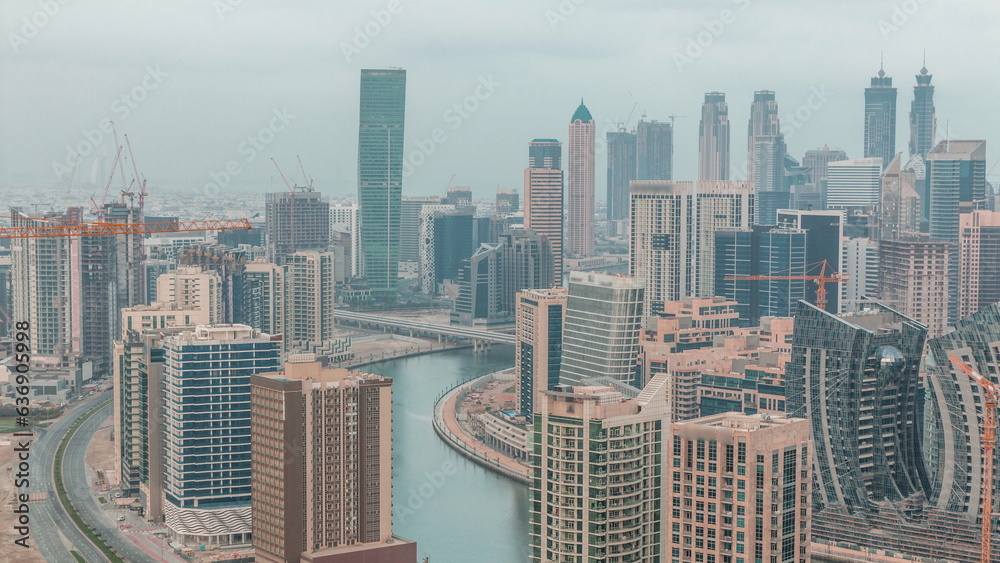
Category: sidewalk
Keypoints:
(447, 425)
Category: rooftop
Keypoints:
(582, 114)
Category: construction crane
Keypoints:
(821, 279)
(991, 392)
(99, 228)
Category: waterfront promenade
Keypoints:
(447, 427)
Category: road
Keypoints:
(78, 489)
(419, 326)
(51, 528)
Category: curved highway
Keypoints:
(52, 530)
(78, 489)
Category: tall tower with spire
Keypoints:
(923, 123)
(713, 138)
(880, 118)
(580, 184)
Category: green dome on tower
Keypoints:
(581, 113)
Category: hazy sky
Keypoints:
(190, 81)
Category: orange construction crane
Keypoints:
(91, 229)
(991, 392)
(821, 279)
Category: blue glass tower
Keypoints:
(206, 477)
(380, 176)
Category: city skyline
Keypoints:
(836, 89)
(660, 342)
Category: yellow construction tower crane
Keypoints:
(991, 393)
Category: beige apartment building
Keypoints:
(739, 490)
(321, 458)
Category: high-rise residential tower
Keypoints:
(768, 514)
(654, 150)
(409, 224)
(899, 202)
(713, 146)
(621, 171)
(543, 196)
(309, 300)
(672, 244)
(538, 352)
(913, 279)
(193, 287)
(978, 261)
(856, 378)
(206, 410)
(527, 264)
(580, 184)
(923, 122)
(880, 119)
(380, 176)
(598, 482)
(956, 182)
(601, 331)
(321, 446)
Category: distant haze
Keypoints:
(190, 81)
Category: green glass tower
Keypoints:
(380, 176)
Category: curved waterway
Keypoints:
(455, 510)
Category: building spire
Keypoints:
(881, 64)
(923, 69)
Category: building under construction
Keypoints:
(72, 288)
(296, 220)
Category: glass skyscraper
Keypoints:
(956, 181)
(856, 377)
(713, 135)
(601, 332)
(380, 176)
(621, 171)
(207, 430)
(923, 123)
(880, 119)
(761, 250)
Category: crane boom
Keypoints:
(989, 439)
(92, 229)
(820, 279)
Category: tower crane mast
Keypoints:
(991, 394)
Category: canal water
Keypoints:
(455, 510)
